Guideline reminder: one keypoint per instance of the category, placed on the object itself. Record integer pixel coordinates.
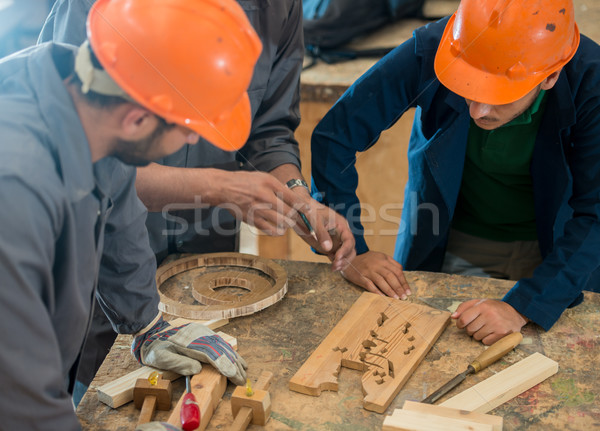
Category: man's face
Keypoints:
(164, 140)
(490, 117)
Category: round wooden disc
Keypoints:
(258, 283)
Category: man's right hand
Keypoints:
(258, 199)
(378, 273)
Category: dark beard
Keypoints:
(136, 153)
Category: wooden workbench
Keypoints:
(280, 338)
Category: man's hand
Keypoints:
(257, 198)
(488, 320)
(182, 348)
(378, 273)
(334, 238)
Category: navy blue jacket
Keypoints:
(565, 167)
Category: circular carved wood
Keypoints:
(219, 285)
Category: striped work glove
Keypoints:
(181, 349)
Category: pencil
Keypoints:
(308, 226)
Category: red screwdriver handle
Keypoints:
(190, 413)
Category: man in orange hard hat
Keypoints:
(504, 159)
(197, 196)
(73, 122)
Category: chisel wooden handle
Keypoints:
(496, 351)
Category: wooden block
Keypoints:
(494, 421)
(507, 384)
(148, 397)
(407, 420)
(120, 391)
(259, 402)
(255, 408)
(384, 337)
(208, 386)
(162, 391)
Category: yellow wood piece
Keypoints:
(384, 337)
(208, 387)
(406, 420)
(446, 412)
(507, 384)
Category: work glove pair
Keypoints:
(181, 349)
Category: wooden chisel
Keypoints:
(488, 357)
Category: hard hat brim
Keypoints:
(472, 83)
(232, 129)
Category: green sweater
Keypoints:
(496, 195)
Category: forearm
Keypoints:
(158, 186)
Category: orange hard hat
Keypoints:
(497, 51)
(188, 61)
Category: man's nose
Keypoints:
(479, 110)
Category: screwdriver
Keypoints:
(487, 357)
(190, 412)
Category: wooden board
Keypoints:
(384, 338)
(507, 384)
(120, 391)
(406, 420)
(208, 386)
(446, 412)
(257, 283)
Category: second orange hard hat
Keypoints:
(497, 51)
(188, 61)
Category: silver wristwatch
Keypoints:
(296, 182)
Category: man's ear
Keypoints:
(136, 122)
(550, 80)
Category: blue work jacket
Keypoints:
(565, 167)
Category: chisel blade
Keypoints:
(448, 386)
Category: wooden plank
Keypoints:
(494, 421)
(406, 420)
(384, 337)
(208, 386)
(507, 384)
(120, 391)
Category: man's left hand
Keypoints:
(488, 320)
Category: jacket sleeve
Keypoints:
(126, 284)
(31, 364)
(574, 262)
(66, 22)
(371, 105)
(272, 142)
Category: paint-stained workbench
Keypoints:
(280, 338)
